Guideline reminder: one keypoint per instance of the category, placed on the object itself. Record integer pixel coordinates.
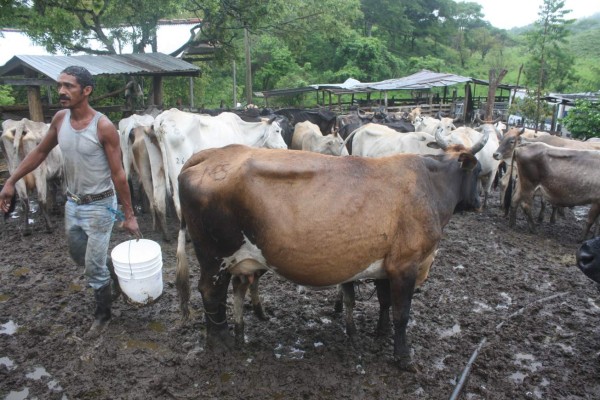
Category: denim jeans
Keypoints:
(88, 228)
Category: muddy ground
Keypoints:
(520, 292)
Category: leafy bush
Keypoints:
(6, 97)
(583, 121)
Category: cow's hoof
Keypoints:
(222, 342)
(404, 363)
(259, 312)
(351, 330)
(383, 331)
(338, 307)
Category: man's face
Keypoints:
(70, 92)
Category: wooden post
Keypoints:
(494, 81)
(385, 100)
(467, 103)
(248, 67)
(235, 87)
(191, 92)
(34, 98)
(554, 114)
(157, 90)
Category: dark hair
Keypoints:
(83, 76)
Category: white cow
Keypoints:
(19, 138)
(181, 134)
(308, 137)
(489, 165)
(141, 152)
(374, 140)
(431, 125)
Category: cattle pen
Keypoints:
(485, 274)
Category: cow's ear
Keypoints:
(272, 119)
(467, 161)
(433, 145)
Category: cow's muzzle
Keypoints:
(588, 260)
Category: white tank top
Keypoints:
(86, 165)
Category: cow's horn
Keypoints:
(479, 145)
(478, 119)
(439, 138)
(522, 131)
(497, 120)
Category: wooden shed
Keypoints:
(37, 71)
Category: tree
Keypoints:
(550, 31)
(583, 121)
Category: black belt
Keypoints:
(88, 198)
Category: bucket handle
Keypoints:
(129, 255)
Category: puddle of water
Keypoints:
(480, 307)
(527, 361)
(439, 364)
(455, 330)
(290, 353)
(581, 212)
(141, 344)
(19, 272)
(592, 303)
(55, 386)
(296, 354)
(518, 377)
(157, 327)
(22, 395)
(522, 356)
(7, 362)
(74, 287)
(37, 374)
(360, 369)
(225, 377)
(566, 348)
(9, 328)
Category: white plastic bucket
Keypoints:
(138, 266)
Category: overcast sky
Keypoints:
(508, 14)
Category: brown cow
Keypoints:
(253, 209)
(514, 137)
(566, 178)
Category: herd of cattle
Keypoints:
(250, 204)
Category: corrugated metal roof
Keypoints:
(117, 64)
(421, 80)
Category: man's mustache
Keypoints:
(64, 98)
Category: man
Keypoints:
(93, 170)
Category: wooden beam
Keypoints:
(27, 82)
(34, 98)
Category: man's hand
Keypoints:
(7, 198)
(131, 226)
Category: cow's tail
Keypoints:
(499, 174)
(349, 137)
(509, 191)
(182, 273)
(159, 133)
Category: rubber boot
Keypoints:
(116, 288)
(102, 314)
